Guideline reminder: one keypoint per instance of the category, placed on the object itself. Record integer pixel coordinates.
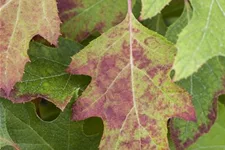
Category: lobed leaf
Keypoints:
(45, 75)
(20, 20)
(131, 89)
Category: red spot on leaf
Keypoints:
(100, 26)
(118, 19)
(65, 8)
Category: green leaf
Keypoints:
(150, 8)
(22, 129)
(205, 86)
(174, 30)
(45, 75)
(4, 136)
(174, 9)
(82, 17)
(20, 20)
(131, 89)
(156, 24)
(214, 139)
(202, 39)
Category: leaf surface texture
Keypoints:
(131, 89)
(20, 20)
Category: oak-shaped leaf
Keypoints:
(131, 89)
(45, 76)
(20, 20)
(150, 8)
(202, 39)
(83, 17)
(22, 129)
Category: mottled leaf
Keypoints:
(150, 8)
(82, 17)
(131, 89)
(202, 39)
(20, 20)
(45, 75)
(214, 139)
(205, 86)
(179, 24)
(25, 130)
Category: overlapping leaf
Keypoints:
(45, 75)
(205, 86)
(22, 129)
(131, 88)
(152, 7)
(20, 20)
(202, 39)
(83, 17)
(156, 24)
(174, 30)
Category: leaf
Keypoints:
(20, 20)
(45, 75)
(179, 24)
(156, 24)
(79, 16)
(131, 89)
(202, 39)
(214, 139)
(205, 86)
(27, 131)
(150, 8)
(174, 9)
(4, 136)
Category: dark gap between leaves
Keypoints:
(46, 110)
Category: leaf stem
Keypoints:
(129, 7)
